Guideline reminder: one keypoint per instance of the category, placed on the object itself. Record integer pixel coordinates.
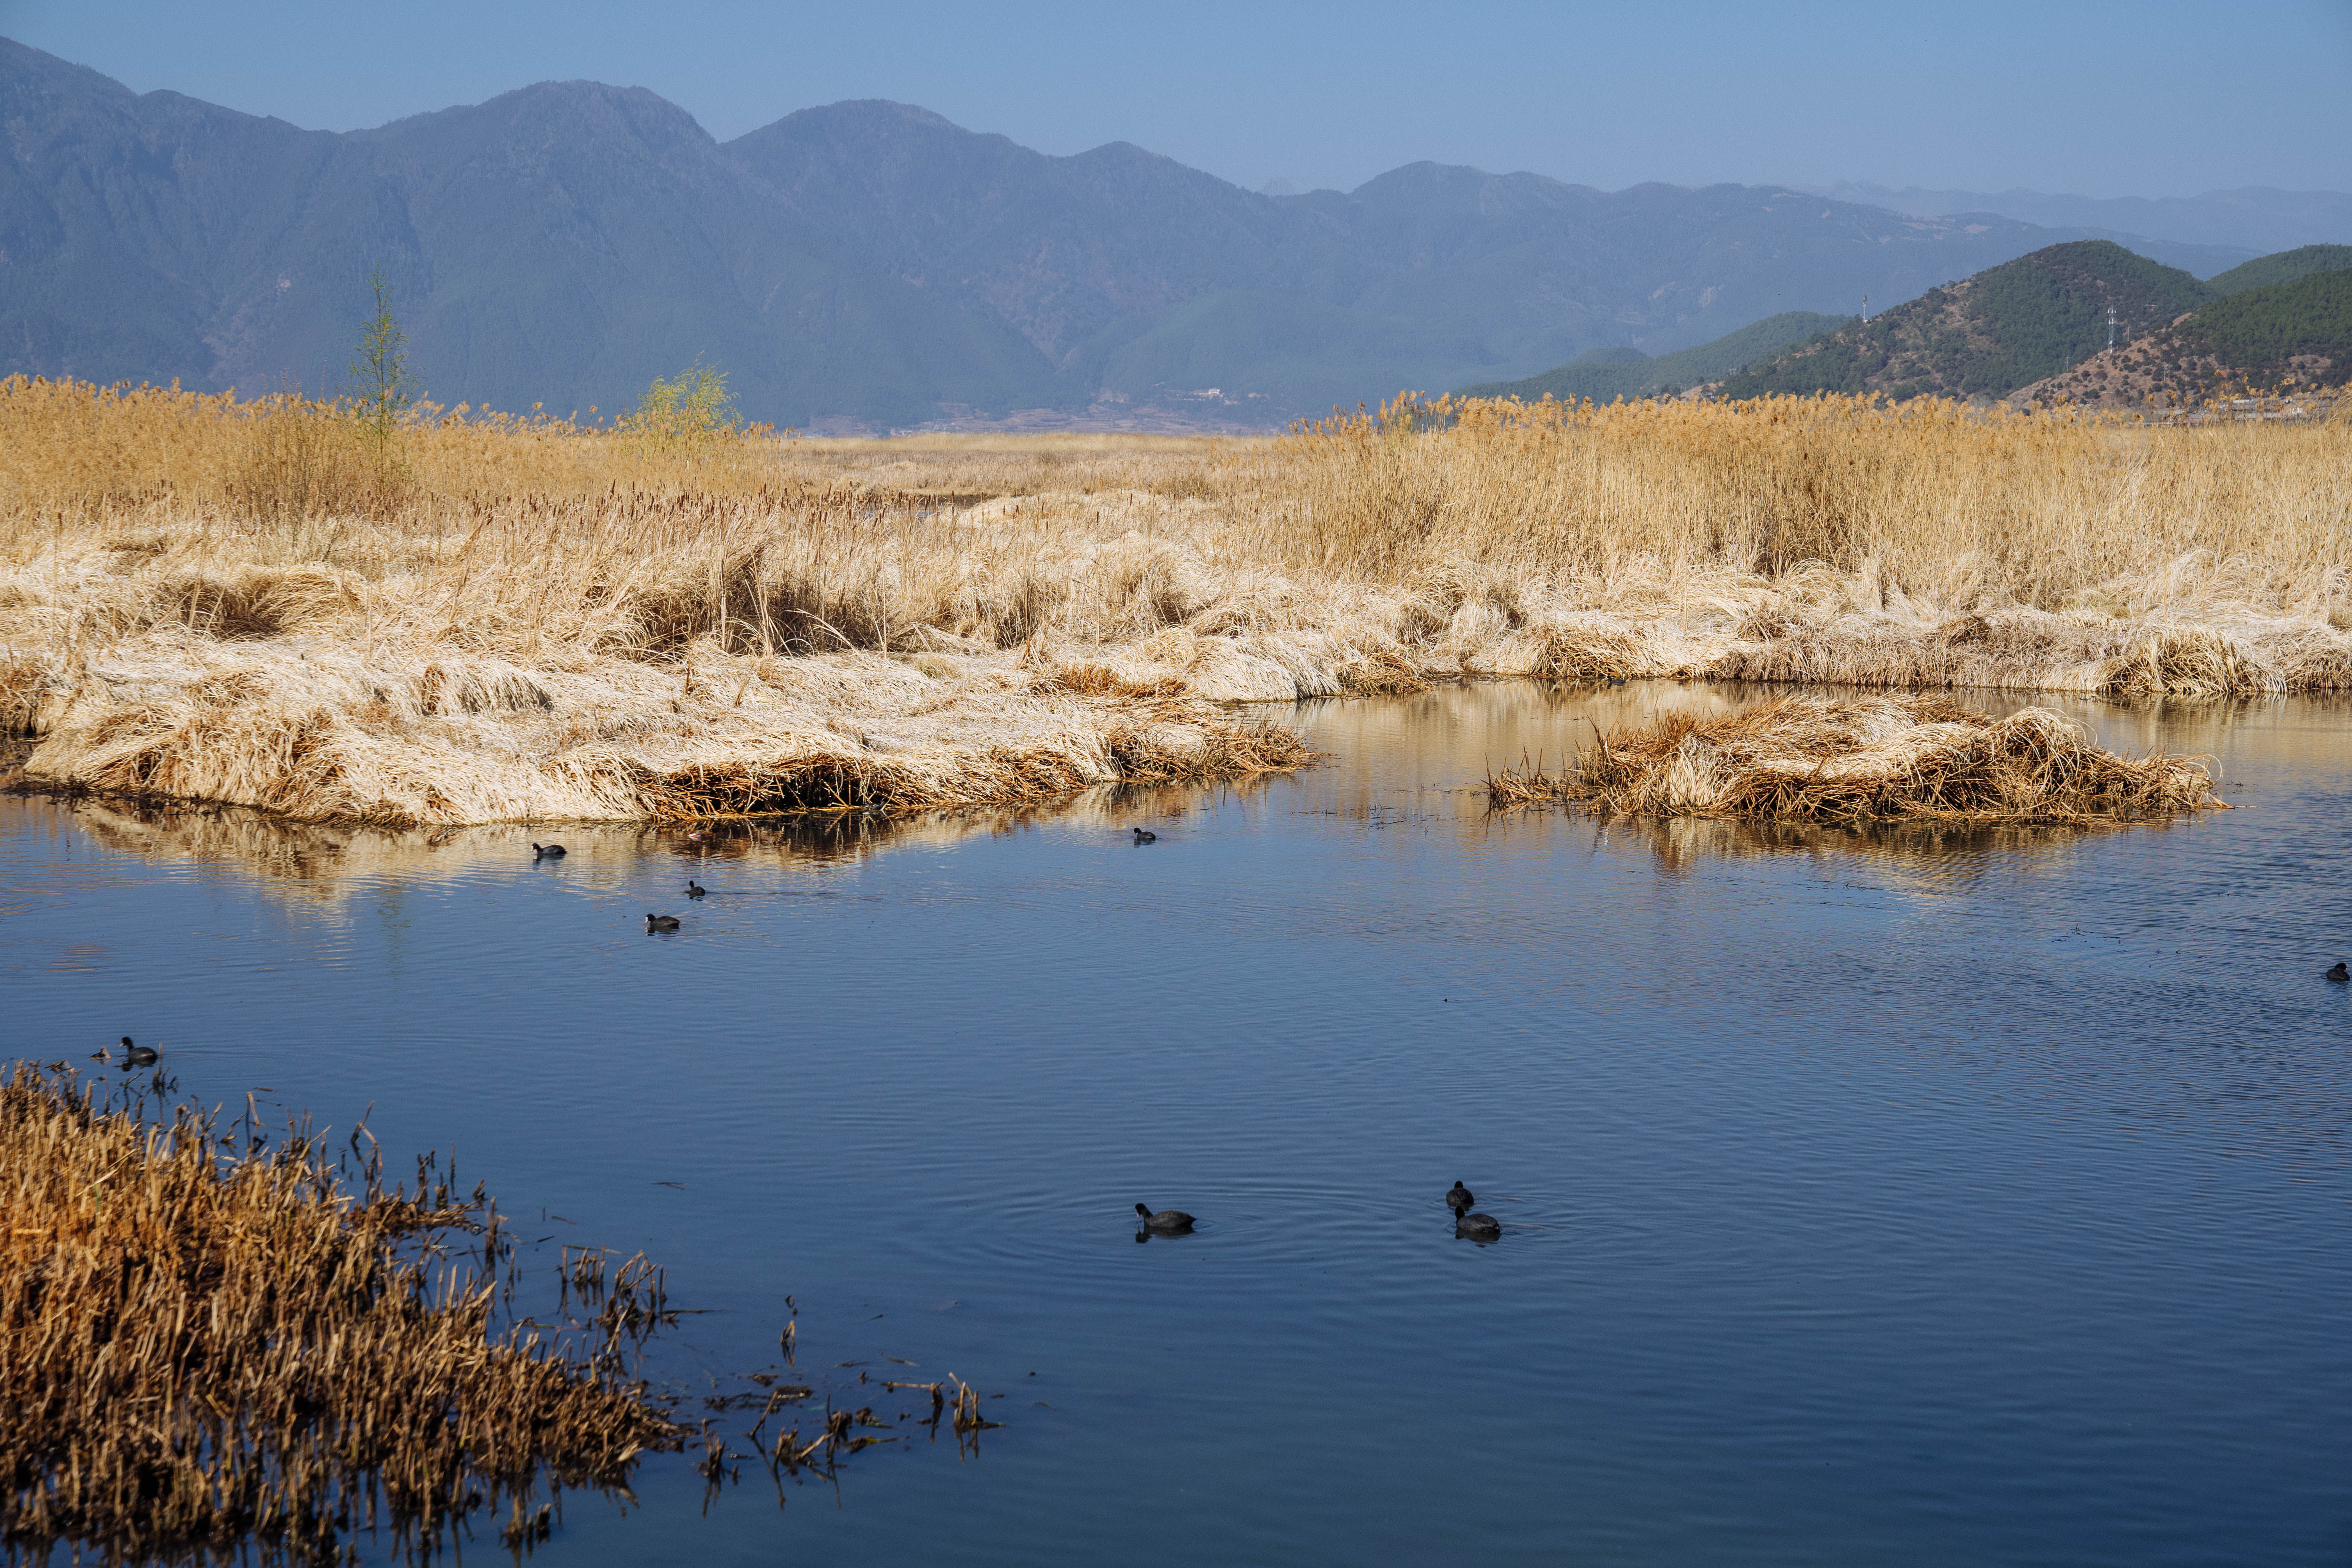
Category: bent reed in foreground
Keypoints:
(202, 1347)
(1878, 759)
(532, 619)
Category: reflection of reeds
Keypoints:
(1803, 760)
(199, 1348)
(1913, 852)
(552, 621)
(329, 863)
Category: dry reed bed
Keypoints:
(201, 1347)
(1922, 758)
(530, 620)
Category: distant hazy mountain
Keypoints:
(866, 263)
(1603, 374)
(559, 244)
(2252, 215)
(2027, 320)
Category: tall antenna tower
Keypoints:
(1865, 307)
(2111, 326)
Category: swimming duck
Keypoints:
(695, 890)
(661, 922)
(1460, 1199)
(1478, 1227)
(1144, 835)
(547, 851)
(2339, 974)
(136, 1056)
(1166, 1220)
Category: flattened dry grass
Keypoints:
(1879, 759)
(533, 619)
(202, 1346)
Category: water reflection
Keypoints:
(1933, 851)
(331, 864)
(1387, 762)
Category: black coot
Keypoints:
(136, 1056)
(1166, 1220)
(1145, 835)
(547, 851)
(2339, 974)
(1478, 1227)
(695, 890)
(1460, 1199)
(661, 922)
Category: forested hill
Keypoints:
(1991, 333)
(2282, 337)
(2283, 268)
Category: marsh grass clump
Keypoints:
(1873, 759)
(211, 1342)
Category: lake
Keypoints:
(1956, 1198)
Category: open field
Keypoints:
(509, 619)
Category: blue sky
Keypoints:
(2148, 99)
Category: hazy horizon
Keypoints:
(1324, 97)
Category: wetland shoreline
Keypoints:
(530, 621)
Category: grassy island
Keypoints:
(1903, 759)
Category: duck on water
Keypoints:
(1166, 1222)
(547, 851)
(695, 890)
(661, 922)
(136, 1056)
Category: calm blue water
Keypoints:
(1973, 1200)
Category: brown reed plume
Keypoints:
(207, 1344)
(1878, 759)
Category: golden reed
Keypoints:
(537, 618)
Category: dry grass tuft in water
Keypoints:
(201, 1348)
(1878, 759)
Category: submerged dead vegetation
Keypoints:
(527, 619)
(1923, 758)
(207, 1341)
(217, 1347)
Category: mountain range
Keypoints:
(868, 264)
(2256, 216)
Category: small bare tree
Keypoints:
(380, 389)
